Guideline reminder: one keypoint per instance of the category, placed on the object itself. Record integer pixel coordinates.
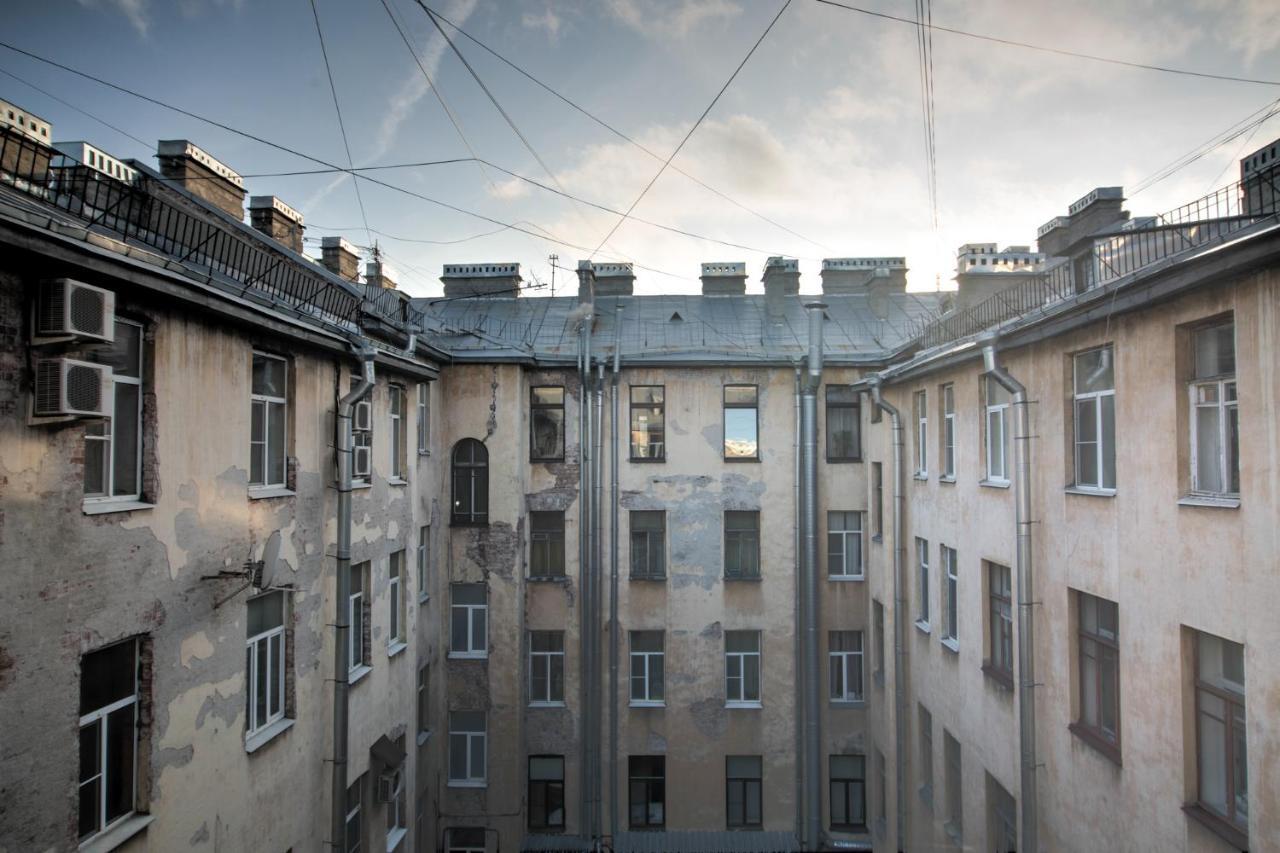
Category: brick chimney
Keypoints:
(724, 279)
(200, 174)
(614, 279)
(781, 280)
(495, 280)
(586, 281)
(861, 275)
(377, 272)
(277, 220)
(340, 258)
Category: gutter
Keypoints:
(1026, 622)
(899, 609)
(810, 670)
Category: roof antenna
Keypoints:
(553, 258)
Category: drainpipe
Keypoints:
(799, 658)
(584, 574)
(613, 590)
(338, 806)
(597, 604)
(809, 580)
(1026, 625)
(899, 611)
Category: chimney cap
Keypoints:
(780, 264)
(724, 268)
(185, 148)
(338, 243)
(614, 270)
(1096, 194)
(863, 263)
(499, 270)
(378, 268)
(271, 202)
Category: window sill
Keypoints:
(396, 648)
(423, 598)
(637, 703)
(647, 578)
(1217, 826)
(358, 673)
(995, 484)
(459, 783)
(361, 484)
(394, 837)
(750, 706)
(423, 737)
(1216, 502)
(549, 579)
(547, 705)
(265, 735)
(397, 481)
(747, 578)
(647, 460)
(947, 478)
(843, 460)
(1002, 678)
(877, 538)
(742, 459)
(264, 492)
(117, 835)
(458, 522)
(1090, 492)
(468, 655)
(951, 644)
(924, 627)
(846, 578)
(102, 507)
(921, 476)
(848, 704)
(1109, 750)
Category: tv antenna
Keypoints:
(259, 574)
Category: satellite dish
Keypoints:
(263, 573)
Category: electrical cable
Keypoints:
(83, 112)
(1246, 124)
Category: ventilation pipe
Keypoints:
(1026, 591)
(613, 586)
(809, 580)
(341, 665)
(899, 611)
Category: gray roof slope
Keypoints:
(682, 328)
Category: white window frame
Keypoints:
(109, 428)
(396, 612)
(423, 696)
(424, 542)
(424, 418)
(540, 694)
(397, 828)
(922, 434)
(1096, 399)
(646, 657)
(735, 686)
(275, 669)
(849, 539)
(355, 609)
(471, 779)
(951, 601)
(355, 814)
(949, 431)
(101, 716)
(842, 660)
(923, 613)
(1000, 411)
(469, 613)
(397, 406)
(1224, 403)
(266, 401)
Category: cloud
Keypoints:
(548, 21)
(509, 190)
(670, 18)
(1250, 26)
(133, 11)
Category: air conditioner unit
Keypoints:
(388, 785)
(68, 308)
(361, 462)
(363, 416)
(65, 387)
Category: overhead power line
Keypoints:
(696, 124)
(82, 112)
(1247, 124)
(616, 132)
(1047, 49)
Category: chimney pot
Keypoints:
(202, 175)
(277, 220)
(340, 258)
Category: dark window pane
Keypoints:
(120, 740)
(107, 675)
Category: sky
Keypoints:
(815, 150)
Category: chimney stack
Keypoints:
(862, 275)
(197, 172)
(724, 279)
(586, 281)
(340, 258)
(494, 280)
(376, 272)
(277, 220)
(781, 280)
(614, 279)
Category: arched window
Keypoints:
(470, 482)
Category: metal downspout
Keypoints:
(613, 590)
(597, 606)
(798, 614)
(1026, 592)
(899, 613)
(342, 594)
(809, 580)
(584, 576)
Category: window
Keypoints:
(741, 422)
(424, 417)
(877, 499)
(844, 545)
(648, 423)
(924, 720)
(546, 423)
(648, 544)
(357, 619)
(882, 794)
(948, 431)
(1221, 756)
(741, 544)
(1095, 419)
(999, 623)
(921, 405)
(743, 792)
(268, 430)
(546, 792)
(997, 432)
(468, 633)
(424, 542)
(466, 748)
(470, 482)
(647, 791)
(844, 654)
(1003, 816)
(848, 793)
(546, 667)
(362, 437)
(113, 448)
(265, 667)
(877, 619)
(951, 630)
(1098, 626)
(467, 840)
(955, 797)
(397, 432)
(647, 668)
(922, 589)
(1215, 418)
(844, 423)
(742, 668)
(396, 808)
(424, 699)
(355, 819)
(546, 544)
(109, 699)
(395, 630)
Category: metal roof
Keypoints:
(682, 328)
